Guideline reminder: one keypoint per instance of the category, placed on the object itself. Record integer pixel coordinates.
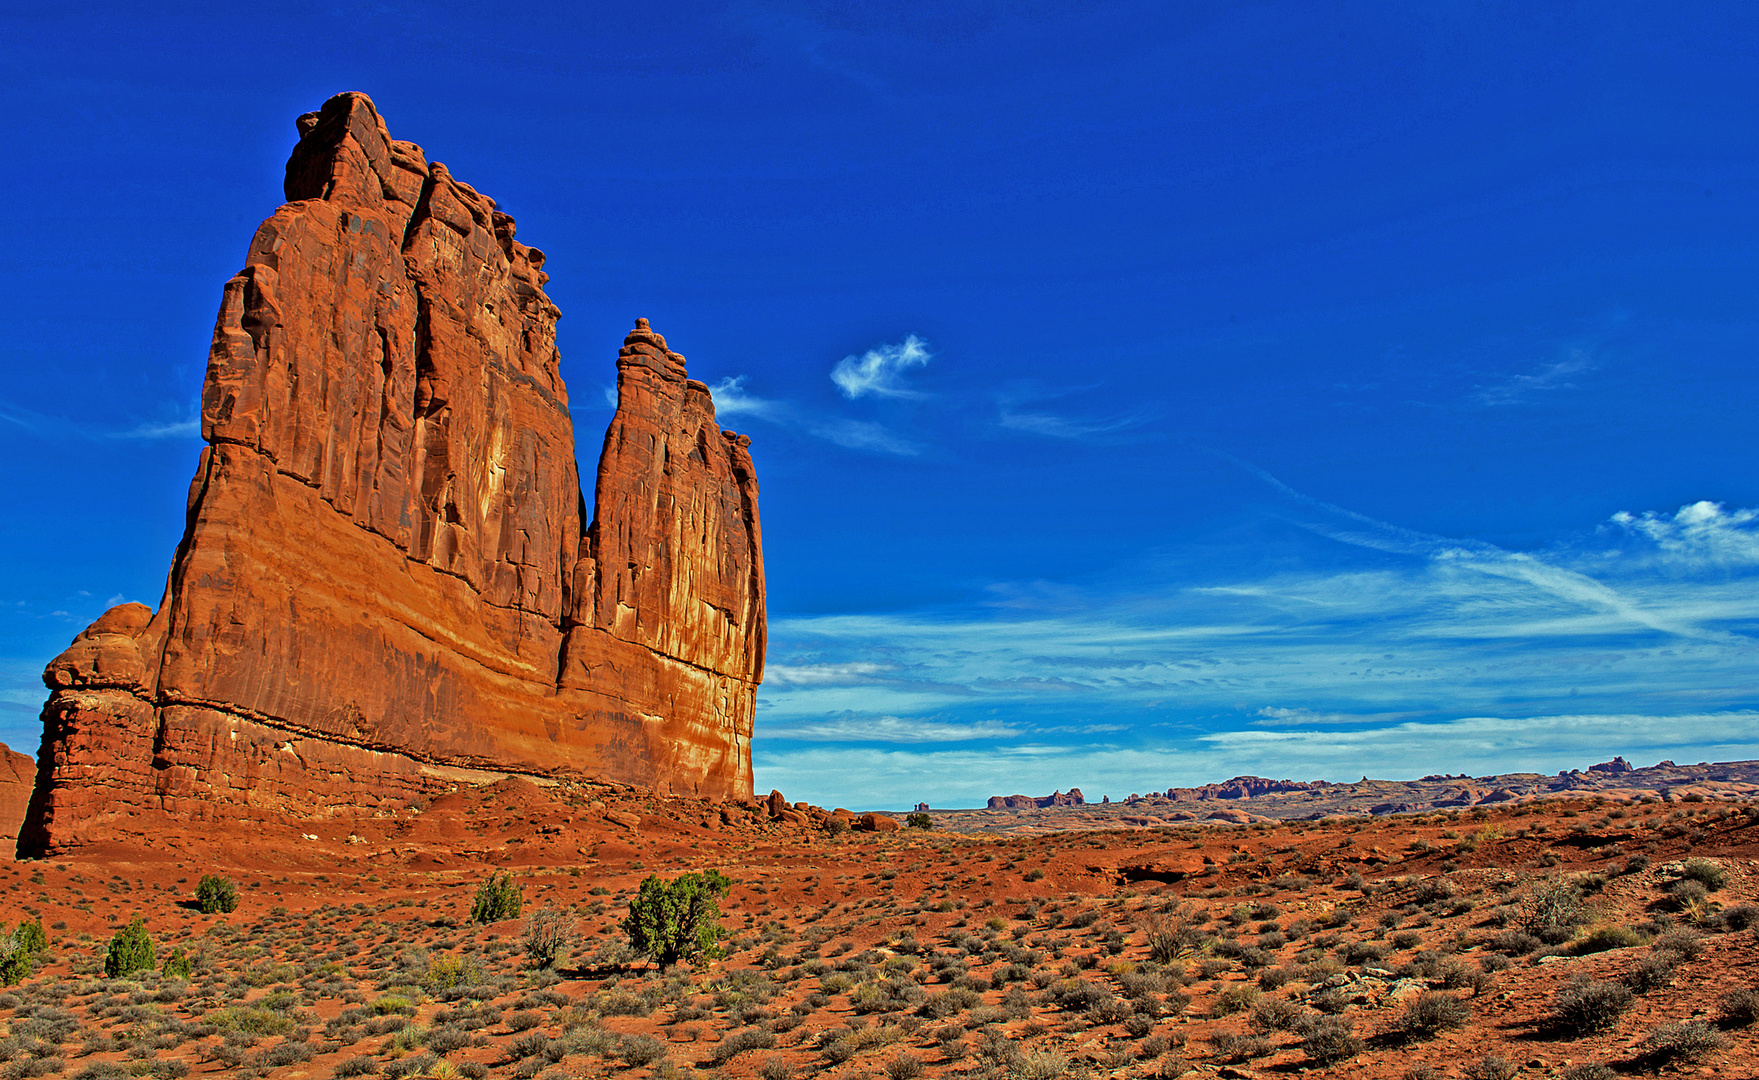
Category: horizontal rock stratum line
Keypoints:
(388, 574)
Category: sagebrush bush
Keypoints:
(1739, 1008)
(1589, 1005)
(1680, 941)
(1430, 1013)
(1327, 1040)
(1652, 972)
(1490, 1067)
(1552, 910)
(1707, 872)
(1275, 1014)
(215, 895)
(739, 1042)
(1692, 1041)
(1234, 999)
(640, 1050)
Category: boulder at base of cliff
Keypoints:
(878, 823)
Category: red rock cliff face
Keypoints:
(386, 581)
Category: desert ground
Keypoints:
(1610, 934)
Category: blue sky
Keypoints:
(1141, 393)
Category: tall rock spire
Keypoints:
(385, 583)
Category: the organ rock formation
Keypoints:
(389, 579)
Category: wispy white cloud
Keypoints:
(1022, 408)
(732, 399)
(1558, 375)
(879, 371)
(888, 729)
(822, 674)
(862, 435)
(1277, 716)
(1697, 536)
(178, 429)
(46, 426)
(1060, 427)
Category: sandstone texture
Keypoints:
(17, 774)
(390, 579)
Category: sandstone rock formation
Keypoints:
(1072, 797)
(389, 579)
(17, 773)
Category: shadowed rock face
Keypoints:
(387, 580)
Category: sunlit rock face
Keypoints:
(389, 580)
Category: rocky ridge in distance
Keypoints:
(1247, 799)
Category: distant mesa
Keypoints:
(391, 580)
(1072, 797)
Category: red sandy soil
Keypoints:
(915, 953)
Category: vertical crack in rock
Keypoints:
(387, 565)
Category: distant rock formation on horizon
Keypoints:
(389, 581)
(1072, 797)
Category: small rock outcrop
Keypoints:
(390, 579)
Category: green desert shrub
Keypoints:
(131, 950)
(176, 965)
(215, 895)
(919, 820)
(676, 920)
(20, 950)
(496, 899)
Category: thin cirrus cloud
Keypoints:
(1060, 427)
(47, 426)
(880, 370)
(1558, 375)
(1026, 408)
(889, 729)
